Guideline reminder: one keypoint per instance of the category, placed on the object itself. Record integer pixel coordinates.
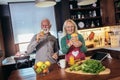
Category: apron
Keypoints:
(75, 52)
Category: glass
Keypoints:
(71, 60)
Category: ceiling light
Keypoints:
(85, 2)
(45, 3)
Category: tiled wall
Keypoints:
(101, 35)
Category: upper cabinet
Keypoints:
(86, 16)
(108, 12)
(102, 13)
(117, 11)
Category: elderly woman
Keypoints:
(69, 46)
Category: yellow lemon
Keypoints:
(47, 63)
(39, 63)
(74, 35)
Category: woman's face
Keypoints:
(70, 28)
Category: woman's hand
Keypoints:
(77, 43)
(70, 43)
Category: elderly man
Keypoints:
(44, 44)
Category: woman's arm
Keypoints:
(64, 45)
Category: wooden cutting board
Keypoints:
(106, 71)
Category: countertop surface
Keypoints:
(10, 60)
(105, 47)
(56, 73)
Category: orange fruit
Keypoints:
(45, 70)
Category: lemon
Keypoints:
(74, 35)
(47, 63)
(39, 63)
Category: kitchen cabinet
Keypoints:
(7, 32)
(117, 11)
(105, 13)
(1, 44)
(108, 12)
(1, 39)
(115, 54)
(85, 16)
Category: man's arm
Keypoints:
(34, 43)
(32, 46)
(56, 50)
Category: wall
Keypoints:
(102, 36)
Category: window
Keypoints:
(26, 18)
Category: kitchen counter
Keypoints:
(56, 73)
(113, 48)
(10, 60)
(101, 47)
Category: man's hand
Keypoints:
(39, 36)
(55, 56)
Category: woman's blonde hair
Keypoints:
(65, 23)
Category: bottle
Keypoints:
(90, 13)
(92, 24)
(71, 6)
(79, 15)
(83, 16)
(98, 24)
(71, 60)
(94, 13)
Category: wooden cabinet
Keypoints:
(7, 32)
(85, 16)
(108, 13)
(1, 45)
(105, 13)
(1, 38)
(113, 53)
(117, 11)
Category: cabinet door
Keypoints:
(117, 11)
(108, 13)
(1, 38)
(1, 45)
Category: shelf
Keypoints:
(98, 17)
(116, 0)
(117, 12)
(89, 14)
(88, 8)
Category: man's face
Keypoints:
(45, 25)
